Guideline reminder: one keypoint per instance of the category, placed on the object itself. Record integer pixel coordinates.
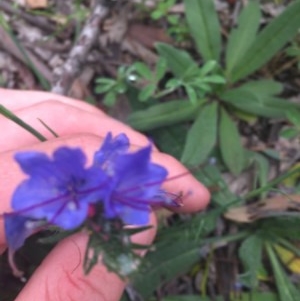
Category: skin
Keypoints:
(78, 124)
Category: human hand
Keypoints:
(78, 125)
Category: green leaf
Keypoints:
(262, 168)
(256, 98)
(191, 93)
(243, 36)
(204, 25)
(263, 87)
(177, 249)
(143, 70)
(103, 88)
(252, 296)
(48, 128)
(110, 99)
(170, 139)
(250, 253)
(202, 136)
(194, 229)
(269, 41)
(247, 103)
(173, 83)
(171, 260)
(294, 117)
(10, 115)
(289, 133)
(105, 81)
(179, 61)
(215, 79)
(160, 70)
(250, 103)
(284, 227)
(211, 176)
(191, 298)
(208, 67)
(163, 114)
(230, 144)
(147, 92)
(286, 289)
(132, 94)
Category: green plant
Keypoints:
(113, 87)
(294, 51)
(213, 117)
(247, 50)
(212, 96)
(177, 28)
(293, 130)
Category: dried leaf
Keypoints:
(276, 206)
(289, 259)
(147, 35)
(37, 3)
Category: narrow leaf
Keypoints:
(204, 25)
(191, 298)
(210, 175)
(250, 253)
(201, 137)
(230, 144)
(10, 115)
(257, 98)
(163, 114)
(170, 139)
(294, 117)
(171, 260)
(143, 70)
(251, 296)
(269, 41)
(286, 289)
(160, 70)
(262, 167)
(179, 61)
(263, 87)
(243, 36)
(48, 128)
(147, 92)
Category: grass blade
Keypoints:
(10, 115)
(286, 289)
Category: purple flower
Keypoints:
(58, 190)
(110, 150)
(135, 181)
(18, 228)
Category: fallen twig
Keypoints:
(79, 52)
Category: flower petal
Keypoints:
(16, 231)
(111, 149)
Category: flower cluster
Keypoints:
(64, 192)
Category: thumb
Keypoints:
(61, 276)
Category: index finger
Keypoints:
(17, 99)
